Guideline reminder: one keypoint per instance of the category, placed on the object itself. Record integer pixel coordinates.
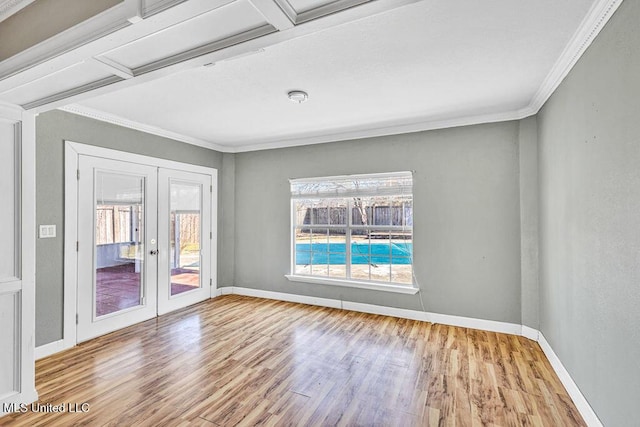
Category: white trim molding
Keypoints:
(425, 316)
(587, 413)
(532, 334)
(10, 111)
(130, 124)
(70, 274)
(599, 14)
(28, 258)
(310, 139)
(397, 128)
(18, 287)
(279, 296)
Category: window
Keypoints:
(356, 228)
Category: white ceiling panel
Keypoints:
(67, 79)
(230, 20)
(429, 61)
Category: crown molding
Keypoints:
(389, 129)
(11, 7)
(599, 14)
(310, 139)
(130, 124)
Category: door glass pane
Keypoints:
(119, 225)
(185, 235)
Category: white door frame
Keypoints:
(72, 151)
(23, 285)
(89, 325)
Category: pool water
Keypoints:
(335, 253)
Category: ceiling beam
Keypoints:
(33, 64)
(134, 11)
(113, 67)
(320, 24)
(273, 14)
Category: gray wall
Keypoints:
(52, 129)
(589, 136)
(528, 161)
(466, 221)
(226, 209)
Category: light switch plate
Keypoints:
(47, 231)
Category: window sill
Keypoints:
(353, 284)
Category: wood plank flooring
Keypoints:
(245, 361)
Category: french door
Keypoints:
(143, 242)
(184, 217)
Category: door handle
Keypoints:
(154, 252)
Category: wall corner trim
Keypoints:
(587, 413)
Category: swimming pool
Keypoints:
(335, 253)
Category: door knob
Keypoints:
(154, 252)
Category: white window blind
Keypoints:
(393, 183)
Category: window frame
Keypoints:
(407, 288)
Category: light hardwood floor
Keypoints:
(244, 361)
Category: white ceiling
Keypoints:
(428, 61)
(216, 72)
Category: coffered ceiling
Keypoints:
(216, 73)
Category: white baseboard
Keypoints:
(532, 334)
(445, 319)
(578, 398)
(49, 349)
(576, 395)
(324, 302)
